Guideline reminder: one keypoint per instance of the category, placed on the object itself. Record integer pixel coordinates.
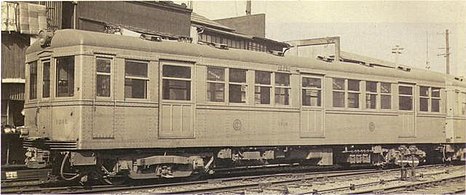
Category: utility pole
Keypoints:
(397, 51)
(248, 7)
(447, 51)
(427, 51)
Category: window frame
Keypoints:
(339, 91)
(242, 84)
(57, 75)
(346, 93)
(261, 85)
(389, 94)
(276, 86)
(463, 104)
(319, 90)
(33, 95)
(43, 62)
(405, 95)
(145, 79)
(224, 82)
(426, 97)
(430, 98)
(190, 80)
(110, 75)
(376, 93)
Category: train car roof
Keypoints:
(71, 37)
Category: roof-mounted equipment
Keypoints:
(404, 68)
(277, 53)
(151, 37)
(45, 38)
(219, 45)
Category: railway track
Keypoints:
(348, 181)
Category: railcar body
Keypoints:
(152, 109)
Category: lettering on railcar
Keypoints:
(61, 121)
(283, 123)
(283, 68)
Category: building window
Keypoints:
(263, 87)
(312, 91)
(237, 86)
(385, 96)
(176, 82)
(353, 93)
(405, 97)
(103, 79)
(33, 80)
(136, 79)
(46, 79)
(371, 95)
(282, 89)
(338, 92)
(215, 84)
(65, 76)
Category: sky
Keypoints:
(370, 28)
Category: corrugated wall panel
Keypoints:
(54, 16)
(136, 14)
(13, 54)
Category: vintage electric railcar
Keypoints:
(109, 106)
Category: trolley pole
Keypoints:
(397, 50)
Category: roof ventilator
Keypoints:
(404, 68)
(151, 37)
(219, 45)
(277, 53)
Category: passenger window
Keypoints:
(385, 96)
(65, 76)
(46, 79)
(371, 95)
(103, 80)
(424, 99)
(429, 96)
(311, 91)
(353, 94)
(339, 92)
(262, 87)
(405, 97)
(463, 110)
(237, 86)
(435, 94)
(215, 84)
(282, 89)
(33, 80)
(136, 79)
(176, 82)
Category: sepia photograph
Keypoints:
(233, 97)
